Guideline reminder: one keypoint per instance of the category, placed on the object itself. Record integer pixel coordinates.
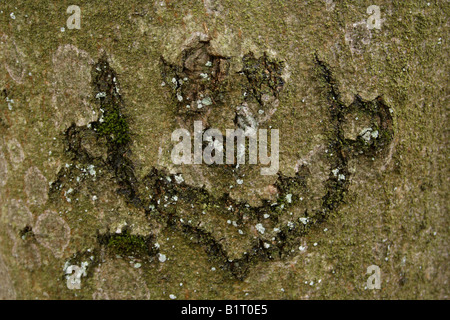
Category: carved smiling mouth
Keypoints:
(234, 229)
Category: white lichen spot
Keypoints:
(10, 103)
(91, 169)
(260, 228)
(303, 220)
(366, 134)
(162, 257)
(179, 178)
(207, 101)
(289, 198)
(374, 134)
(100, 95)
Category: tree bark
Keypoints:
(93, 205)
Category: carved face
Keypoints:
(235, 212)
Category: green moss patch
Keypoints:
(127, 244)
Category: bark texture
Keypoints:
(93, 207)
